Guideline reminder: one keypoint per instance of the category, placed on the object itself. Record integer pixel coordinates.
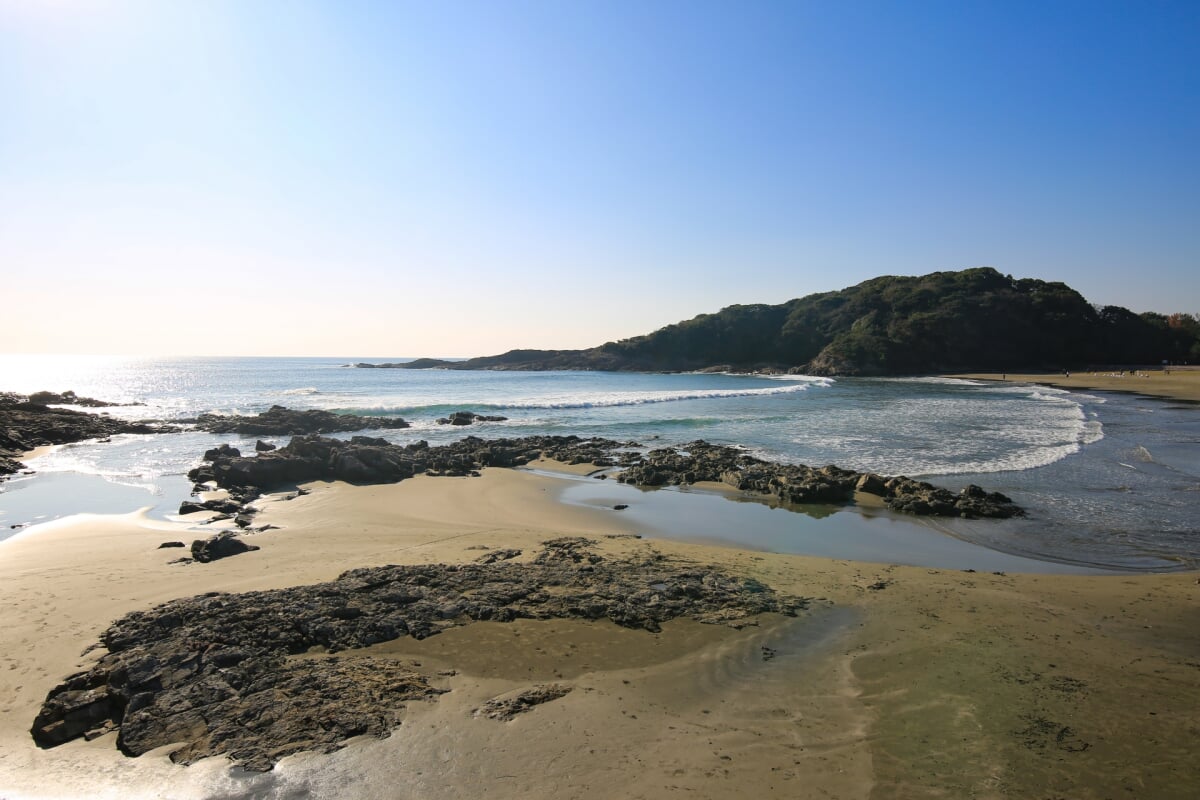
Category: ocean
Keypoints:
(1110, 481)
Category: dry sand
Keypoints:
(900, 682)
(1177, 383)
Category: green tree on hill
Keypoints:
(972, 319)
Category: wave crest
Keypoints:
(615, 399)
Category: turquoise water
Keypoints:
(1109, 480)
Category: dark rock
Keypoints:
(70, 713)
(870, 483)
(282, 421)
(800, 484)
(503, 554)
(25, 425)
(222, 545)
(509, 705)
(263, 447)
(419, 363)
(171, 544)
(224, 451)
(212, 672)
(69, 398)
(368, 460)
(620, 506)
(469, 417)
(370, 441)
(918, 497)
(229, 506)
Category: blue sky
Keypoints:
(461, 178)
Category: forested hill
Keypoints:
(976, 319)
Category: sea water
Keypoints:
(1109, 480)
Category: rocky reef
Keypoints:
(283, 421)
(368, 460)
(470, 417)
(799, 484)
(69, 398)
(28, 421)
(237, 674)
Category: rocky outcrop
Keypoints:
(799, 484)
(224, 451)
(419, 363)
(469, 417)
(25, 424)
(283, 421)
(503, 554)
(223, 545)
(69, 398)
(509, 705)
(972, 502)
(232, 673)
(369, 460)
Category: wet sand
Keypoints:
(899, 682)
(1177, 383)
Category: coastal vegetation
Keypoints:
(973, 319)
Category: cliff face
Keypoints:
(975, 319)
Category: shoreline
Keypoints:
(921, 681)
(863, 530)
(1183, 383)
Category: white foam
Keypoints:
(613, 399)
(937, 380)
(962, 434)
(1053, 396)
(561, 401)
(815, 380)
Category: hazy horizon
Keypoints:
(454, 180)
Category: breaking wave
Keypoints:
(614, 399)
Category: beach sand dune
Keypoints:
(898, 681)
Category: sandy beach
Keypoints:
(897, 682)
(1177, 383)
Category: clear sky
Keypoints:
(461, 178)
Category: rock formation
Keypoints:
(798, 484)
(371, 460)
(368, 460)
(283, 421)
(234, 673)
(469, 417)
(26, 424)
(222, 545)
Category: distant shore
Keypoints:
(1176, 383)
